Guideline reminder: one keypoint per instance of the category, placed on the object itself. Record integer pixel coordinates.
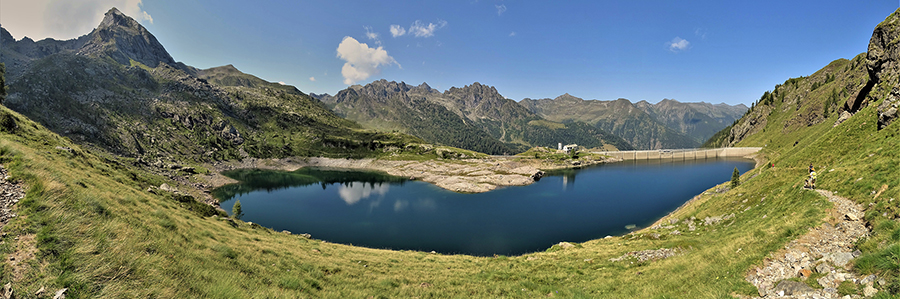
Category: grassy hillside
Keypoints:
(94, 229)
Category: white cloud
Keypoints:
(313, 79)
(62, 19)
(419, 29)
(700, 32)
(678, 44)
(282, 83)
(397, 30)
(512, 33)
(355, 192)
(500, 9)
(372, 35)
(361, 61)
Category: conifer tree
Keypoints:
(735, 178)
(236, 210)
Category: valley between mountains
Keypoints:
(116, 146)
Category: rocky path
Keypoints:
(10, 194)
(826, 251)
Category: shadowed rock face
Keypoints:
(123, 38)
(883, 64)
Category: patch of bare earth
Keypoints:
(25, 249)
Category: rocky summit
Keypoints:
(123, 39)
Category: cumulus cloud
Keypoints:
(419, 29)
(361, 61)
(500, 9)
(397, 30)
(313, 79)
(678, 44)
(63, 19)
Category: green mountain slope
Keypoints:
(696, 120)
(118, 88)
(619, 117)
(474, 117)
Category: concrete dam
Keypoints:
(682, 154)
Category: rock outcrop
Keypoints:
(883, 64)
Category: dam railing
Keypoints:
(683, 154)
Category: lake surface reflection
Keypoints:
(381, 211)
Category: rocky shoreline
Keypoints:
(465, 175)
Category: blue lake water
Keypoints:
(380, 211)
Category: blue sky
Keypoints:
(691, 51)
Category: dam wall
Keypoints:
(682, 154)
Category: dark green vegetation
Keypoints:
(667, 124)
(119, 89)
(474, 117)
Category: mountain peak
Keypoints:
(115, 18)
(124, 39)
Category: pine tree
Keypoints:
(735, 178)
(237, 213)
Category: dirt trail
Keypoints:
(826, 250)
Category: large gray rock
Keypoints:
(887, 111)
(790, 288)
(841, 259)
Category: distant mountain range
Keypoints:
(474, 117)
(477, 117)
(667, 124)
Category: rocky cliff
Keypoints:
(883, 65)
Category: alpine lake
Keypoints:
(380, 211)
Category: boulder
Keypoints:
(869, 290)
(167, 188)
(841, 259)
(791, 288)
(7, 291)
